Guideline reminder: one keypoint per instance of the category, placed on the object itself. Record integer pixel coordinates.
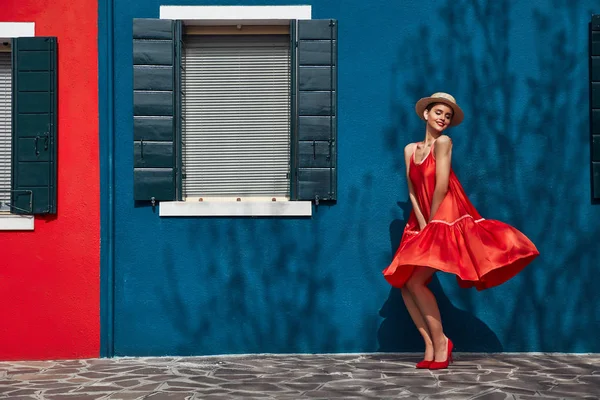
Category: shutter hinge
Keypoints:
(331, 140)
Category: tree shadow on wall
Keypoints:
(260, 285)
(266, 301)
(268, 285)
(397, 332)
(518, 154)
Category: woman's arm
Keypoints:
(408, 152)
(443, 156)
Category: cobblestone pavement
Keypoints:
(328, 376)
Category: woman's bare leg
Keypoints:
(419, 321)
(425, 301)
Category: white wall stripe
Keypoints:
(218, 13)
(16, 29)
(234, 208)
(16, 222)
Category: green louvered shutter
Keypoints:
(156, 108)
(316, 110)
(34, 125)
(595, 105)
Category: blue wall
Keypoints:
(223, 285)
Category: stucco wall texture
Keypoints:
(188, 286)
(49, 277)
(234, 285)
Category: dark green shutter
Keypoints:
(315, 130)
(595, 105)
(34, 128)
(156, 108)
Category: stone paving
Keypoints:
(326, 376)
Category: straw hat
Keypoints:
(444, 98)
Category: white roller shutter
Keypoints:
(236, 108)
(5, 129)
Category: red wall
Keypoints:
(49, 278)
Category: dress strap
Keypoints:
(433, 148)
(430, 152)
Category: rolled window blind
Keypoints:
(5, 129)
(236, 116)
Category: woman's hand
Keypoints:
(443, 155)
(408, 153)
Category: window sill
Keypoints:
(10, 222)
(236, 209)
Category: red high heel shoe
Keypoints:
(424, 364)
(443, 364)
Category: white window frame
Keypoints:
(235, 15)
(14, 222)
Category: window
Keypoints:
(27, 126)
(220, 114)
(5, 125)
(236, 116)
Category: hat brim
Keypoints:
(422, 104)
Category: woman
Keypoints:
(446, 233)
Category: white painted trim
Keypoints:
(225, 15)
(16, 222)
(16, 29)
(235, 209)
(219, 14)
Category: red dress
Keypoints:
(482, 253)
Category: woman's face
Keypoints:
(439, 117)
